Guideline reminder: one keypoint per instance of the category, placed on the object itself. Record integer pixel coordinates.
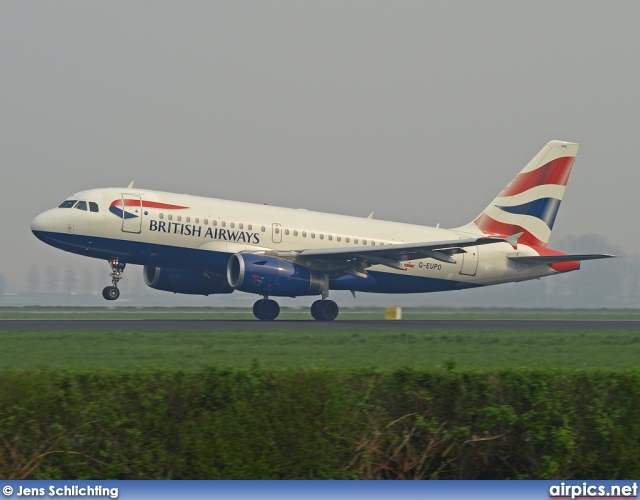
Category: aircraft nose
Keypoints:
(43, 222)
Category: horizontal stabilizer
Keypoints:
(550, 259)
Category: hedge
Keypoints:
(220, 423)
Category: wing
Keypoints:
(354, 260)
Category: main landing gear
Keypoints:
(112, 292)
(321, 310)
(266, 309)
(324, 310)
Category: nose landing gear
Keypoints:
(112, 292)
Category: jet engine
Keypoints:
(181, 281)
(272, 276)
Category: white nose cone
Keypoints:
(43, 222)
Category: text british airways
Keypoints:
(213, 233)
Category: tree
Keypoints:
(34, 280)
(51, 279)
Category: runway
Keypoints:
(46, 325)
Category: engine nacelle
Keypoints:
(181, 281)
(272, 276)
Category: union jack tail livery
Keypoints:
(530, 203)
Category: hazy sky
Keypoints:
(420, 111)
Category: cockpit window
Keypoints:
(93, 206)
(67, 203)
(82, 205)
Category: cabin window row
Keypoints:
(214, 222)
(330, 237)
(277, 230)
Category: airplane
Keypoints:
(196, 245)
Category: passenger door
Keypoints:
(131, 213)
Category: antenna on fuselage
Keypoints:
(130, 185)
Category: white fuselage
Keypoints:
(196, 233)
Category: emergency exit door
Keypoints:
(469, 261)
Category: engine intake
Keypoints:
(181, 281)
(272, 276)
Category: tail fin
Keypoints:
(530, 203)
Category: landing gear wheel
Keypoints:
(266, 309)
(324, 310)
(257, 309)
(110, 293)
(314, 310)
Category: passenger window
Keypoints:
(170, 217)
(93, 206)
(214, 222)
(339, 238)
(364, 242)
(313, 235)
(286, 232)
(206, 221)
(82, 205)
(346, 239)
(179, 218)
(355, 240)
(330, 237)
(240, 226)
(295, 232)
(160, 216)
(67, 204)
(249, 227)
(197, 220)
(321, 236)
(262, 229)
(304, 234)
(232, 224)
(223, 224)
(188, 219)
